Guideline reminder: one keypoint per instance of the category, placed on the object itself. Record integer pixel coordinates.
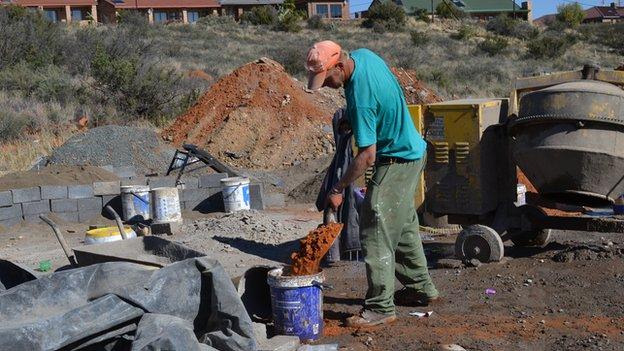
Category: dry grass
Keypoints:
(19, 155)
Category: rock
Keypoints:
(450, 347)
(473, 263)
(449, 263)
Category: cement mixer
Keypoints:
(563, 131)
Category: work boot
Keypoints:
(367, 318)
(413, 298)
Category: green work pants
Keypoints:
(389, 234)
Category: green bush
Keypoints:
(524, 30)
(550, 45)
(465, 32)
(422, 15)
(446, 9)
(505, 25)
(386, 15)
(493, 45)
(419, 38)
(12, 125)
(608, 34)
(260, 15)
(571, 15)
(288, 17)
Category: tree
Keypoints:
(571, 14)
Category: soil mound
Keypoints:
(313, 248)
(415, 91)
(258, 117)
(56, 175)
(117, 146)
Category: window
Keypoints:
(174, 16)
(160, 17)
(322, 10)
(336, 10)
(192, 16)
(51, 15)
(76, 15)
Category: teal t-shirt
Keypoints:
(377, 109)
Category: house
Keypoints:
(159, 11)
(480, 9)
(330, 9)
(77, 11)
(236, 8)
(605, 14)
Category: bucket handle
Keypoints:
(138, 197)
(322, 286)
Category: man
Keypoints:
(386, 138)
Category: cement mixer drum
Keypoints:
(568, 140)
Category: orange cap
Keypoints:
(322, 56)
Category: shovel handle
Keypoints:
(120, 226)
(61, 240)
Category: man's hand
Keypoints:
(334, 201)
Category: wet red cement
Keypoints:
(313, 247)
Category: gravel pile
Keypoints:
(117, 146)
(250, 225)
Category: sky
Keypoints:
(540, 7)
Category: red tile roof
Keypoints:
(54, 3)
(163, 4)
(604, 12)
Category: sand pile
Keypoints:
(56, 175)
(313, 248)
(258, 117)
(415, 91)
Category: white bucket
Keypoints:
(166, 205)
(235, 194)
(106, 235)
(135, 202)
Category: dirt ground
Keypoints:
(566, 296)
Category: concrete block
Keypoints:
(198, 194)
(36, 207)
(6, 198)
(64, 205)
(88, 215)
(49, 192)
(68, 216)
(134, 181)
(125, 171)
(10, 212)
(106, 188)
(159, 182)
(279, 343)
(211, 180)
(10, 222)
(166, 228)
(213, 203)
(190, 182)
(90, 204)
(26, 195)
(79, 191)
(274, 200)
(33, 219)
(109, 168)
(256, 195)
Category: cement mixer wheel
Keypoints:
(480, 242)
(539, 238)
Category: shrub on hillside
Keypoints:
(12, 125)
(386, 15)
(419, 38)
(570, 14)
(446, 9)
(317, 22)
(608, 34)
(551, 45)
(260, 15)
(465, 32)
(288, 17)
(505, 25)
(422, 15)
(493, 45)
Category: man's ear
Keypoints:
(340, 65)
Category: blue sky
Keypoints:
(541, 7)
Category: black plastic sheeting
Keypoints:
(188, 305)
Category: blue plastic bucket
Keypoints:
(297, 304)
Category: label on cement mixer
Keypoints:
(435, 130)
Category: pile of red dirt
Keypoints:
(258, 117)
(415, 91)
(313, 249)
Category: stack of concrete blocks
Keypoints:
(82, 203)
(72, 203)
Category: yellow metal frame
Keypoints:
(416, 111)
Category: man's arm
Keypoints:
(364, 159)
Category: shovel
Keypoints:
(333, 255)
